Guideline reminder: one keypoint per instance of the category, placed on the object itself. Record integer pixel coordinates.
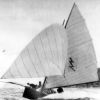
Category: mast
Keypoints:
(69, 15)
(63, 22)
(42, 88)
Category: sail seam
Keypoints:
(50, 47)
(11, 73)
(77, 22)
(57, 50)
(82, 43)
(78, 33)
(25, 66)
(18, 69)
(32, 61)
(38, 58)
(43, 49)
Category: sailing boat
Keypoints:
(64, 55)
(44, 56)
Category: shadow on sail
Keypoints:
(64, 55)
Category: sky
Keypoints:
(22, 20)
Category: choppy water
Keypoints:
(69, 94)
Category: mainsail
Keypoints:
(82, 67)
(45, 55)
(49, 52)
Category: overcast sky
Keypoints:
(21, 20)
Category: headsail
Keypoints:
(81, 50)
(82, 65)
(43, 56)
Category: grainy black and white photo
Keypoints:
(49, 49)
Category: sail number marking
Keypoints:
(71, 64)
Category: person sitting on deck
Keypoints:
(32, 85)
(39, 84)
(35, 86)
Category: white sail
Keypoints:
(82, 65)
(45, 55)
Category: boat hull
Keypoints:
(31, 93)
